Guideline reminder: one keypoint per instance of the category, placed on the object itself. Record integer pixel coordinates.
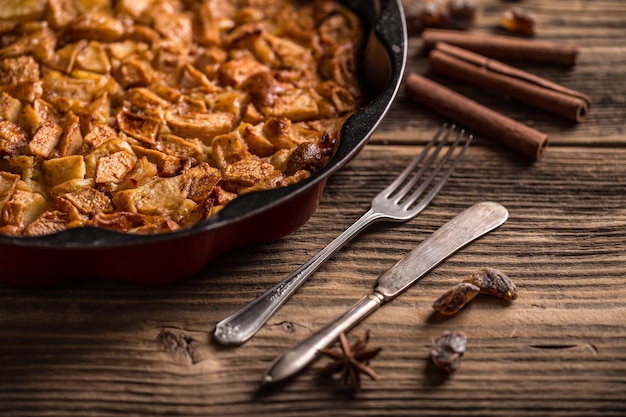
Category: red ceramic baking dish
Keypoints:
(86, 253)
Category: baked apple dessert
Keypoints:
(147, 116)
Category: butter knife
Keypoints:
(467, 226)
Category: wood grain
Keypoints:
(100, 348)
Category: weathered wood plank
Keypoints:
(107, 349)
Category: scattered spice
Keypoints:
(504, 46)
(467, 66)
(522, 21)
(493, 282)
(444, 14)
(455, 298)
(488, 281)
(476, 117)
(351, 361)
(448, 350)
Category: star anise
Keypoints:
(351, 361)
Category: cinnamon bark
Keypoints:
(476, 117)
(498, 46)
(523, 86)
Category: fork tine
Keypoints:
(411, 167)
(431, 194)
(431, 159)
(433, 173)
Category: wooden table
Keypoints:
(102, 348)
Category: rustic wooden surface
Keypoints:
(102, 348)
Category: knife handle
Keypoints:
(298, 357)
(465, 227)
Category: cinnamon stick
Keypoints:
(498, 46)
(476, 117)
(523, 86)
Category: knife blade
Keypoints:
(465, 227)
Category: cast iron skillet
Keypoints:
(85, 253)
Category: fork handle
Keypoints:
(472, 223)
(244, 323)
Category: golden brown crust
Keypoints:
(146, 116)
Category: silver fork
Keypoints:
(394, 203)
